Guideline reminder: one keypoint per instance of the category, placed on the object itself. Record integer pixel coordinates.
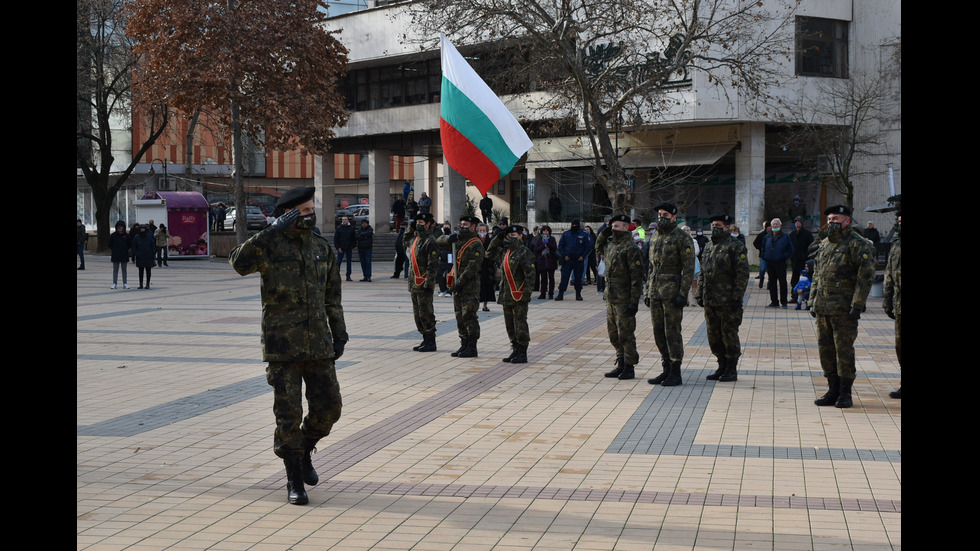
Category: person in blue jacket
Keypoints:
(777, 250)
(574, 248)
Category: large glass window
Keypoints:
(821, 47)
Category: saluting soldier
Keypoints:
(624, 290)
(464, 282)
(303, 330)
(843, 273)
(668, 282)
(423, 255)
(721, 287)
(516, 287)
(893, 294)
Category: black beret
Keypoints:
(504, 220)
(469, 218)
(295, 196)
(669, 207)
(723, 218)
(514, 229)
(620, 218)
(425, 217)
(838, 209)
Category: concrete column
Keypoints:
(750, 180)
(379, 189)
(532, 198)
(326, 186)
(453, 198)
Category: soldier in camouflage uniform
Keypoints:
(423, 256)
(668, 282)
(844, 272)
(464, 282)
(721, 286)
(303, 330)
(624, 290)
(893, 294)
(519, 269)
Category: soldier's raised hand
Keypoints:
(285, 220)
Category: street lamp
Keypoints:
(152, 172)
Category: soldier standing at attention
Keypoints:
(721, 286)
(464, 282)
(893, 294)
(843, 273)
(424, 259)
(516, 287)
(624, 290)
(303, 330)
(668, 282)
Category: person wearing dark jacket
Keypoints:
(144, 252)
(344, 240)
(80, 238)
(546, 253)
(486, 208)
(365, 247)
(398, 209)
(121, 248)
(400, 256)
(574, 246)
(801, 238)
(777, 250)
(759, 243)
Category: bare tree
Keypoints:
(602, 60)
(104, 65)
(268, 67)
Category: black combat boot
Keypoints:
(542, 296)
(309, 473)
(722, 366)
(561, 295)
(830, 398)
(663, 376)
(731, 371)
(627, 372)
(513, 350)
(428, 344)
(470, 350)
(674, 376)
(615, 372)
(844, 397)
(578, 294)
(463, 343)
(296, 493)
(520, 355)
(896, 394)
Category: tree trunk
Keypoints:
(238, 186)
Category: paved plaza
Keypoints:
(175, 426)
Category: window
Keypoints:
(821, 47)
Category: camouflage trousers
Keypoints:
(515, 319)
(467, 320)
(835, 339)
(322, 398)
(723, 323)
(667, 320)
(425, 317)
(898, 338)
(622, 333)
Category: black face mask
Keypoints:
(665, 224)
(307, 222)
(835, 230)
(718, 233)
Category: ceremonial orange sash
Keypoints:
(419, 277)
(451, 277)
(519, 293)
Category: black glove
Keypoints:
(338, 349)
(700, 302)
(646, 301)
(632, 309)
(813, 314)
(854, 314)
(679, 301)
(607, 231)
(454, 238)
(890, 313)
(285, 220)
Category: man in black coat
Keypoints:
(400, 255)
(344, 240)
(801, 239)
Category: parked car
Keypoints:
(360, 212)
(254, 217)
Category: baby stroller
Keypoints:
(802, 290)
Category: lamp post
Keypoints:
(152, 172)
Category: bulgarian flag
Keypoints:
(480, 138)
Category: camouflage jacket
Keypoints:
(893, 278)
(724, 272)
(843, 274)
(301, 311)
(522, 267)
(624, 269)
(466, 266)
(420, 247)
(671, 265)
